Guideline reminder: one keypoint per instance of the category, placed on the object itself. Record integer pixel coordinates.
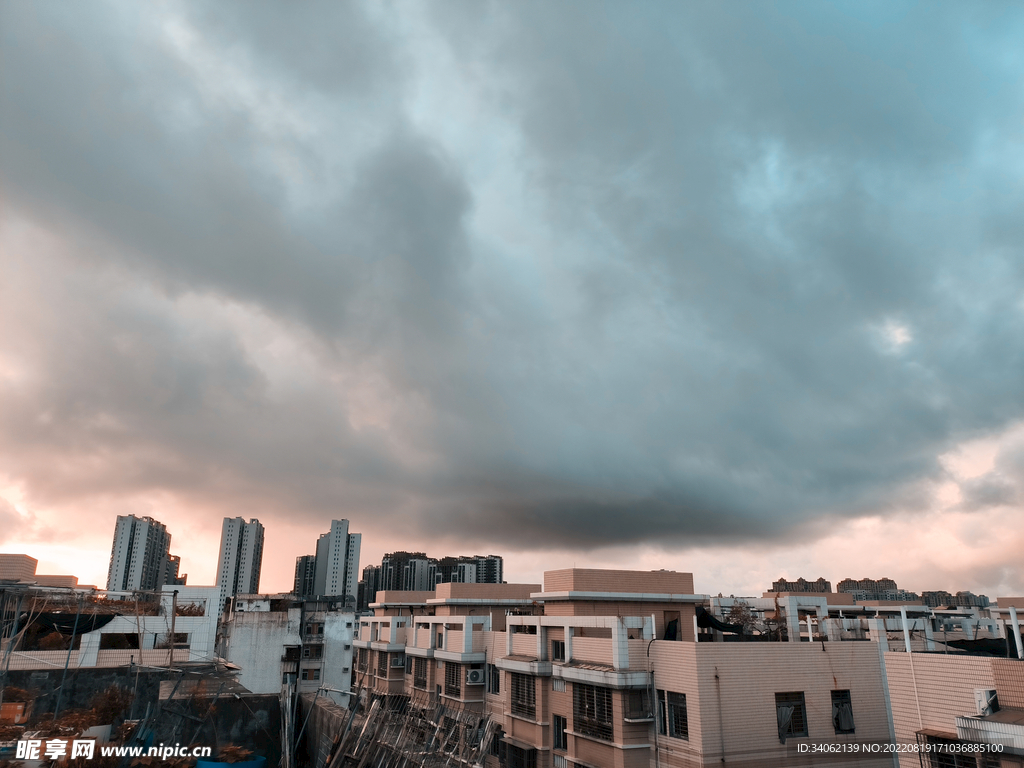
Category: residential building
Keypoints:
(408, 571)
(17, 567)
(802, 585)
(489, 569)
(241, 557)
(616, 669)
(414, 571)
(139, 557)
(280, 639)
(305, 576)
(173, 571)
(22, 568)
(967, 709)
(871, 589)
(369, 585)
(337, 563)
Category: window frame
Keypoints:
(799, 702)
(841, 699)
(559, 735)
(592, 711)
(522, 690)
(453, 679)
(678, 728)
(493, 680)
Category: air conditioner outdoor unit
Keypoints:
(985, 700)
(474, 677)
(397, 661)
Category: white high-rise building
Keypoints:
(241, 557)
(139, 556)
(337, 562)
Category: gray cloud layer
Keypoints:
(697, 273)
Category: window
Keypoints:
(382, 664)
(842, 712)
(493, 679)
(592, 711)
(557, 684)
(313, 652)
(677, 724)
(790, 715)
(362, 662)
(560, 740)
(524, 695)
(520, 758)
(408, 665)
(452, 679)
(419, 679)
(637, 704)
(558, 650)
(311, 674)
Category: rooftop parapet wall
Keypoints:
(635, 582)
(460, 591)
(406, 597)
(834, 598)
(1010, 602)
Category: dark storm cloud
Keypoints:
(777, 272)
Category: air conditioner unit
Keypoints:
(985, 700)
(398, 661)
(474, 677)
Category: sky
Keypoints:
(728, 288)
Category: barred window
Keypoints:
(678, 726)
(637, 704)
(524, 695)
(592, 711)
(382, 663)
(362, 662)
(790, 714)
(516, 757)
(419, 679)
(842, 712)
(452, 679)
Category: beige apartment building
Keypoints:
(609, 669)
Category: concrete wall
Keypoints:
(255, 641)
(597, 580)
(736, 711)
(929, 691)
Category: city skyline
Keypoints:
(728, 289)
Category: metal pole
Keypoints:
(67, 661)
(10, 645)
(174, 614)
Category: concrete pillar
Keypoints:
(649, 628)
(393, 635)
(467, 637)
(89, 650)
(929, 634)
(620, 646)
(906, 629)
(542, 642)
(508, 639)
(1016, 632)
(793, 619)
(968, 627)
(569, 631)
